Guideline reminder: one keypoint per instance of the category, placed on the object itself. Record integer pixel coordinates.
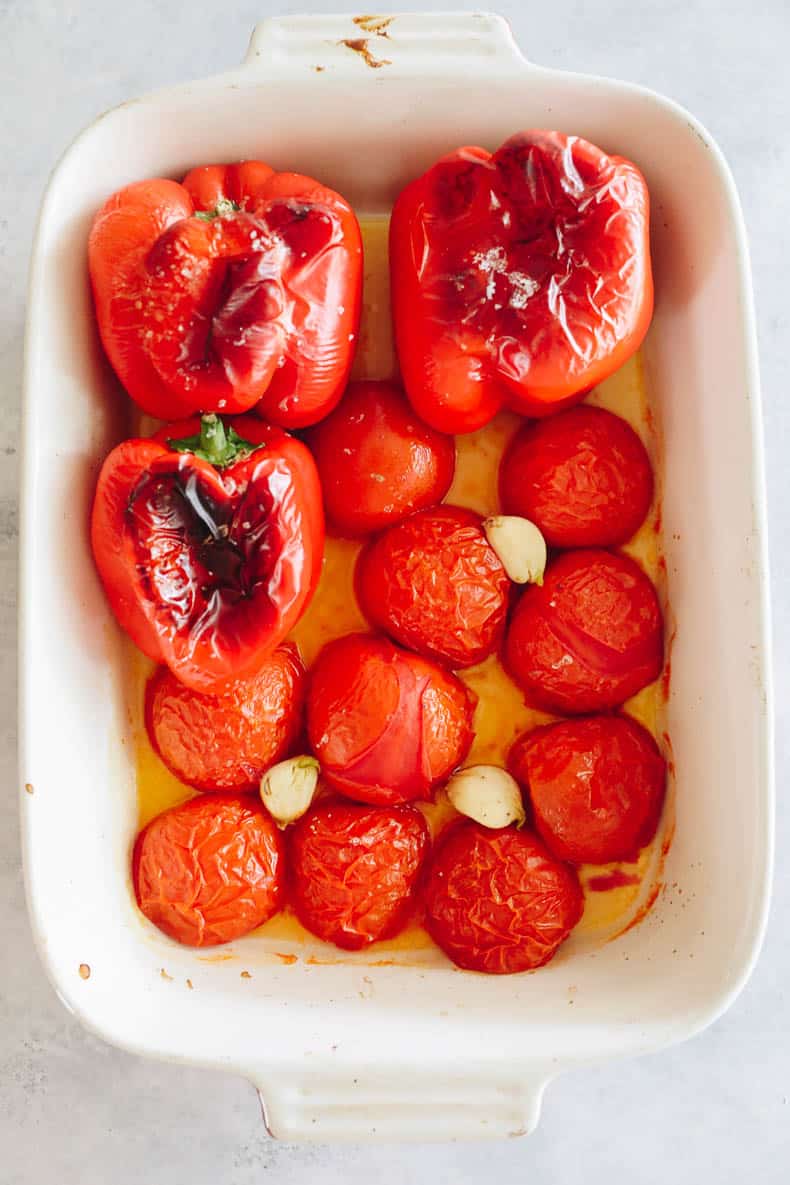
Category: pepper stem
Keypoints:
(223, 208)
(215, 443)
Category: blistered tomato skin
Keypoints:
(208, 569)
(520, 279)
(583, 477)
(497, 901)
(239, 287)
(377, 460)
(210, 870)
(435, 584)
(596, 786)
(387, 726)
(589, 637)
(355, 870)
(227, 741)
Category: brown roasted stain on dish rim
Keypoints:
(289, 960)
(374, 24)
(190, 985)
(163, 975)
(245, 975)
(29, 788)
(85, 971)
(359, 45)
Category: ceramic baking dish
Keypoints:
(348, 1049)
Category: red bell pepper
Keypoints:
(209, 541)
(241, 286)
(519, 279)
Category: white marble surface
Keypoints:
(76, 1112)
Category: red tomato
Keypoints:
(377, 460)
(589, 637)
(496, 901)
(520, 279)
(436, 585)
(583, 477)
(596, 786)
(210, 870)
(354, 870)
(239, 285)
(209, 541)
(386, 725)
(227, 741)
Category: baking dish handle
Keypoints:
(416, 43)
(424, 1107)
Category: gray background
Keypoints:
(76, 1112)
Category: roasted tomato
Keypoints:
(210, 870)
(596, 786)
(520, 279)
(589, 637)
(377, 460)
(227, 741)
(386, 725)
(209, 542)
(583, 477)
(354, 870)
(436, 585)
(497, 901)
(238, 286)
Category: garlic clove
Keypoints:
(520, 546)
(287, 788)
(487, 794)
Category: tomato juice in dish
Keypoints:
(613, 893)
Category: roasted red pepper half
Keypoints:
(520, 279)
(241, 286)
(209, 541)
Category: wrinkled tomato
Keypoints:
(596, 786)
(227, 741)
(497, 901)
(240, 286)
(583, 477)
(386, 725)
(520, 279)
(436, 585)
(209, 542)
(377, 460)
(210, 870)
(354, 870)
(589, 637)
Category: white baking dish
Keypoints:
(349, 1050)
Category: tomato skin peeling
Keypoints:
(386, 725)
(435, 584)
(596, 786)
(583, 477)
(228, 740)
(210, 870)
(497, 901)
(355, 870)
(589, 637)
